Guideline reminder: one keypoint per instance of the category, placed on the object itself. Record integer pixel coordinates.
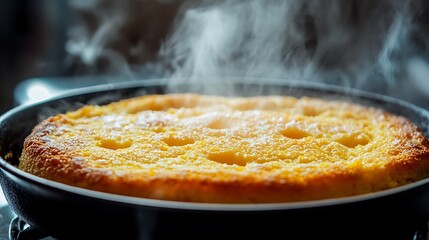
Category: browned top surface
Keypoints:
(212, 149)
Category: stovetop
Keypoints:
(13, 228)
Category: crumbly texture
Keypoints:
(195, 148)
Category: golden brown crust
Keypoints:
(188, 147)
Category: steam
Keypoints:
(350, 43)
(100, 41)
(90, 47)
(363, 44)
(242, 39)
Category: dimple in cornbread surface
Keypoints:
(214, 149)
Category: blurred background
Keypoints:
(36, 39)
(49, 46)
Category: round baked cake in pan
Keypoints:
(215, 149)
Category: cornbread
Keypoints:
(214, 149)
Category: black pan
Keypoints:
(68, 212)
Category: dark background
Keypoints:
(33, 36)
(31, 43)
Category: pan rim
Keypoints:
(195, 206)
